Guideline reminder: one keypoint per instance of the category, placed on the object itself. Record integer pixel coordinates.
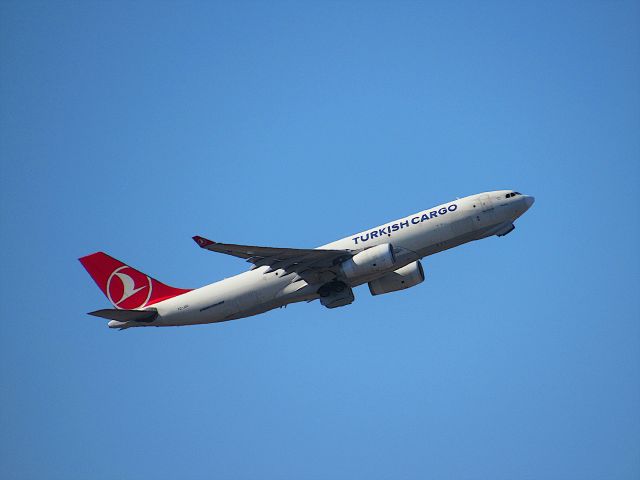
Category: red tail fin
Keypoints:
(125, 287)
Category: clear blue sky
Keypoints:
(129, 127)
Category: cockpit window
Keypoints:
(512, 194)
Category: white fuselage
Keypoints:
(413, 237)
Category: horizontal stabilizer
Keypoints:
(145, 316)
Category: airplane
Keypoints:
(386, 257)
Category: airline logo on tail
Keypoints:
(128, 289)
(125, 287)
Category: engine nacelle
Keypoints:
(372, 260)
(405, 277)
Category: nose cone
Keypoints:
(529, 200)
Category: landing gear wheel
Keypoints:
(332, 287)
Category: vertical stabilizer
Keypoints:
(124, 286)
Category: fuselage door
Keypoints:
(483, 211)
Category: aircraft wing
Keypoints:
(303, 261)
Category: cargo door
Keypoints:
(483, 211)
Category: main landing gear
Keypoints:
(331, 287)
(335, 294)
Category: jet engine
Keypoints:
(371, 260)
(405, 277)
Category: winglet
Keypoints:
(203, 242)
